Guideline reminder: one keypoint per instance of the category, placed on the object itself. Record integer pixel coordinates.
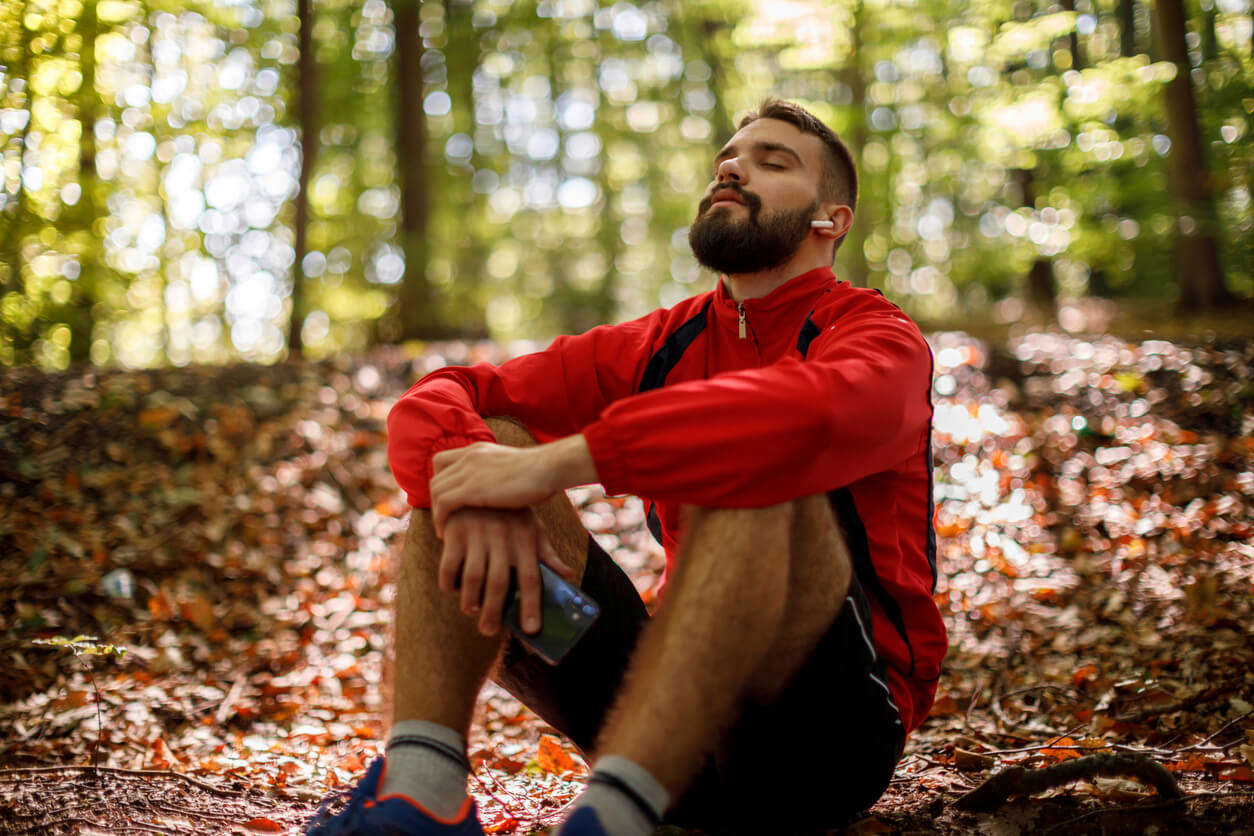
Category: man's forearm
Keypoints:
(570, 461)
(485, 475)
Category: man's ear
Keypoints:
(841, 217)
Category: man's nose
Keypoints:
(729, 170)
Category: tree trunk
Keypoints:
(307, 105)
(1197, 248)
(1041, 275)
(1210, 40)
(14, 212)
(86, 215)
(852, 252)
(708, 39)
(413, 315)
(463, 54)
(160, 275)
(21, 337)
(1127, 28)
(1073, 40)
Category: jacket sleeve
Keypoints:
(859, 404)
(554, 392)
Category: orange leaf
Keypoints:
(1061, 754)
(160, 606)
(551, 757)
(1086, 673)
(505, 764)
(74, 699)
(1193, 763)
(157, 417)
(210, 764)
(264, 825)
(199, 611)
(499, 822)
(1238, 773)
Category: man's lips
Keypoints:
(726, 196)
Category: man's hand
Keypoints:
(481, 546)
(485, 475)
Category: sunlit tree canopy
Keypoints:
(498, 168)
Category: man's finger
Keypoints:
(549, 557)
(494, 592)
(528, 583)
(443, 504)
(445, 459)
(472, 575)
(437, 514)
(449, 573)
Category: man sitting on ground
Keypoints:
(778, 427)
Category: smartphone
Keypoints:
(566, 613)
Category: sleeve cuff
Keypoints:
(421, 497)
(607, 456)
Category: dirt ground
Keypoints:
(234, 531)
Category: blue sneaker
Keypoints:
(582, 822)
(392, 815)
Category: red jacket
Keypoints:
(827, 391)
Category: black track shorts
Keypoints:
(824, 751)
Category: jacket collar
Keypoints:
(797, 290)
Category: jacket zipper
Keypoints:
(740, 308)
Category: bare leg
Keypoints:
(753, 592)
(441, 659)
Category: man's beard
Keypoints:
(726, 245)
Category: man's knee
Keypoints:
(805, 527)
(510, 431)
(808, 512)
(760, 521)
(817, 535)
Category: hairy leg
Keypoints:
(753, 591)
(441, 660)
(819, 574)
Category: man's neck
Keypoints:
(742, 286)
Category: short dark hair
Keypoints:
(840, 178)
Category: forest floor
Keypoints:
(234, 531)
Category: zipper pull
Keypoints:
(740, 307)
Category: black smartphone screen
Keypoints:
(566, 613)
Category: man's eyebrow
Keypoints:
(729, 150)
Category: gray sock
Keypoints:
(627, 799)
(427, 762)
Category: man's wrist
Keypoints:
(571, 462)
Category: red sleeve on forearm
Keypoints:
(554, 393)
(858, 405)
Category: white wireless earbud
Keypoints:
(822, 224)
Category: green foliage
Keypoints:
(82, 646)
(149, 154)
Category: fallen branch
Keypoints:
(1204, 696)
(1218, 732)
(117, 770)
(1018, 780)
